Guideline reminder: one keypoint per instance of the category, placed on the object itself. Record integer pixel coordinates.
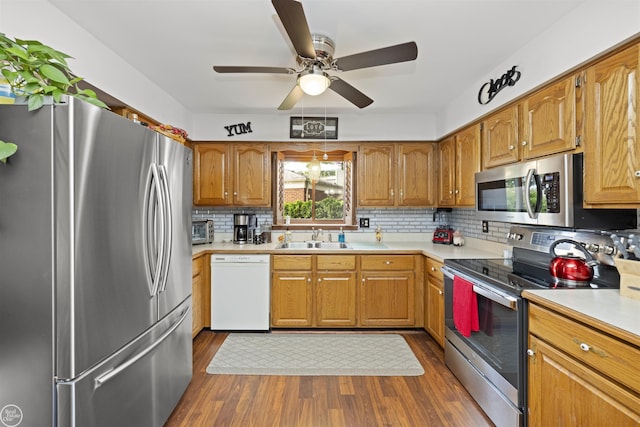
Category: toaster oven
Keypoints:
(201, 232)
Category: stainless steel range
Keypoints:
(486, 327)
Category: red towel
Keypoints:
(465, 307)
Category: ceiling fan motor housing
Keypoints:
(324, 46)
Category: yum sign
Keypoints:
(491, 88)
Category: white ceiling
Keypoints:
(175, 43)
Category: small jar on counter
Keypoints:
(458, 239)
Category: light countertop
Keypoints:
(473, 248)
(604, 309)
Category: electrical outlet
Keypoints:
(364, 222)
(485, 226)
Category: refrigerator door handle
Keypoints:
(114, 372)
(153, 243)
(167, 226)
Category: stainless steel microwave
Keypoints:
(201, 232)
(547, 191)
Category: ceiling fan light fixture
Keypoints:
(314, 82)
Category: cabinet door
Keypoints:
(467, 163)
(291, 298)
(387, 298)
(500, 138)
(376, 175)
(416, 170)
(435, 301)
(564, 392)
(549, 120)
(336, 299)
(447, 174)
(611, 147)
(252, 175)
(210, 175)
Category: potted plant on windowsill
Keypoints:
(35, 71)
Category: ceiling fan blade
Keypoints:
(386, 55)
(241, 69)
(349, 92)
(291, 99)
(292, 16)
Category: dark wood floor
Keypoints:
(433, 399)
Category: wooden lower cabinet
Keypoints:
(313, 291)
(387, 291)
(434, 301)
(200, 294)
(579, 375)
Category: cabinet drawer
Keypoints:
(386, 262)
(433, 269)
(291, 262)
(336, 262)
(612, 357)
(196, 266)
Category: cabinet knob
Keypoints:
(457, 191)
(524, 143)
(450, 191)
(319, 280)
(388, 262)
(511, 147)
(363, 280)
(309, 280)
(433, 269)
(226, 194)
(391, 191)
(585, 347)
(235, 193)
(530, 352)
(637, 174)
(440, 291)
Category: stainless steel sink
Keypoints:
(313, 245)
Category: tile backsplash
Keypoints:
(401, 220)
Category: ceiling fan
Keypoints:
(315, 58)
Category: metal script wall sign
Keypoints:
(314, 127)
(238, 129)
(491, 88)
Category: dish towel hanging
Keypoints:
(465, 307)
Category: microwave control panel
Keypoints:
(550, 183)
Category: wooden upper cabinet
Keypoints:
(416, 170)
(211, 175)
(231, 175)
(467, 164)
(500, 138)
(252, 175)
(396, 174)
(611, 146)
(459, 160)
(376, 175)
(549, 120)
(447, 172)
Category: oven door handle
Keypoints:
(504, 300)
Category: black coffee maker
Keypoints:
(244, 226)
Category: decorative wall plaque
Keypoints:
(314, 127)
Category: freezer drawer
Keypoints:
(139, 385)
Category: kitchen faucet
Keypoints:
(316, 234)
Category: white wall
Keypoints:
(272, 127)
(590, 29)
(39, 20)
(593, 27)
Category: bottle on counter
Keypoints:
(378, 234)
(341, 238)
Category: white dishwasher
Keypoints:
(240, 292)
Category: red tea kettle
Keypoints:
(568, 270)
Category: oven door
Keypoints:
(490, 362)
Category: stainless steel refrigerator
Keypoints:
(95, 269)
